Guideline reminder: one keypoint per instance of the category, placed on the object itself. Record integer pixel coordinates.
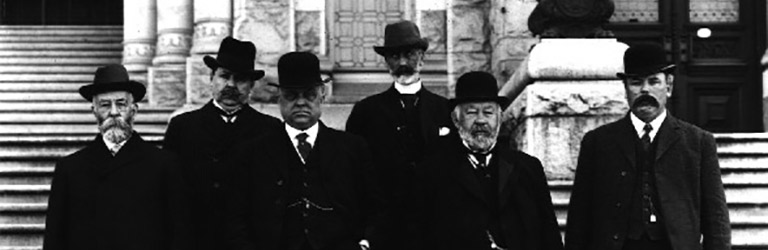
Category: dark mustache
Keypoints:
(230, 92)
(480, 129)
(404, 70)
(645, 100)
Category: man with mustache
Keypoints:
(399, 122)
(649, 180)
(119, 192)
(306, 186)
(478, 193)
(204, 138)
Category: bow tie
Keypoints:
(229, 117)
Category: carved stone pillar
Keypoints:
(174, 35)
(213, 22)
(468, 41)
(509, 37)
(139, 30)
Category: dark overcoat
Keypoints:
(132, 201)
(204, 142)
(687, 177)
(453, 207)
(379, 119)
(259, 199)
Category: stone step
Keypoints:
(74, 117)
(45, 46)
(61, 53)
(27, 235)
(55, 77)
(61, 30)
(32, 213)
(40, 97)
(73, 107)
(734, 162)
(747, 143)
(70, 129)
(36, 69)
(40, 87)
(48, 61)
(44, 38)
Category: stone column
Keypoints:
(510, 38)
(213, 22)
(574, 91)
(167, 76)
(139, 29)
(468, 42)
(764, 62)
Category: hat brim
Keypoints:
(213, 64)
(665, 69)
(388, 50)
(135, 88)
(502, 101)
(300, 86)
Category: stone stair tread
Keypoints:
(61, 53)
(60, 46)
(59, 139)
(48, 61)
(34, 69)
(21, 247)
(54, 38)
(54, 77)
(40, 87)
(77, 117)
(25, 170)
(88, 129)
(24, 207)
(84, 107)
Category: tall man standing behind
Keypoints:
(204, 138)
(399, 122)
(306, 186)
(649, 180)
(119, 192)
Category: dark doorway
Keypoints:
(61, 12)
(718, 80)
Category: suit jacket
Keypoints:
(258, 198)
(134, 200)
(687, 178)
(378, 119)
(204, 142)
(453, 207)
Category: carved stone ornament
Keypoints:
(571, 18)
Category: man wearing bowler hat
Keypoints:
(478, 193)
(648, 180)
(119, 192)
(204, 138)
(400, 122)
(310, 186)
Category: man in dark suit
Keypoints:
(399, 122)
(119, 192)
(204, 138)
(305, 186)
(649, 180)
(477, 193)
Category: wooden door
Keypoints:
(358, 25)
(718, 80)
(61, 12)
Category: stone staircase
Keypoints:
(744, 165)
(42, 117)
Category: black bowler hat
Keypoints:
(644, 59)
(477, 86)
(110, 78)
(400, 36)
(298, 70)
(237, 56)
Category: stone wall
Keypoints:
(469, 45)
(509, 36)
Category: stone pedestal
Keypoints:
(174, 31)
(198, 87)
(575, 90)
(166, 87)
(139, 30)
(509, 37)
(213, 22)
(268, 25)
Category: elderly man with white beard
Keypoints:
(119, 192)
(476, 192)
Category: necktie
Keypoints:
(646, 139)
(481, 159)
(114, 149)
(304, 147)
(229, 117)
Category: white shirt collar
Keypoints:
(311, 132)
(215, 103)
(111, 145)
(408, 89)
(474, 160)
(639, 124)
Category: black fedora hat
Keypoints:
(237, 56)
(477, 86)
(644, 59)
(399, 36)
(110, 78)
(298, 70)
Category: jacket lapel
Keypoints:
(625, 136)
(129, 153)
(285, 151)
(668, 134)
(427, 109)
(463, 173)
(507, 177)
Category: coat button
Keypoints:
(306, 231)
(616, 237)
(216, 185)
(279, 182)
(618, 204)
(305, 184)
(623, 173)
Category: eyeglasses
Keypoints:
(310, 94)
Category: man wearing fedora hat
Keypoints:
(204, 138)
(478, 193)
(649, 180)
(119, 192)
(309, 186)
(400, 122)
